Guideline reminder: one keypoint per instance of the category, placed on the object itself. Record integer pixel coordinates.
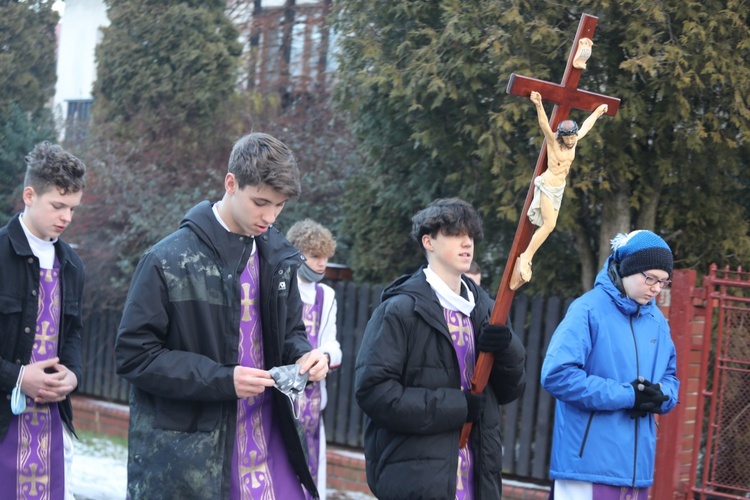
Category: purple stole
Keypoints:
(32, 459)
(607, 492)
(260, 464)
(310, 414)
(462, 335)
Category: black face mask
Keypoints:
(309, 274)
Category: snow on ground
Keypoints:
(99, 468)
(100, 471)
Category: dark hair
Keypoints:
(448, 216)
(49, 165)
(259, 158)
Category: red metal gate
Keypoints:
(721, 465)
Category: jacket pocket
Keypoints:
(71, 307)
(186, 416)
(492, 449)
(10, 304)
(11, 309)
(586, 434)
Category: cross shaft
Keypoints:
(565, 96)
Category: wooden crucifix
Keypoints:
(565, 96)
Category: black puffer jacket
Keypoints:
(19, 306)
(408, 384)
(178, 345)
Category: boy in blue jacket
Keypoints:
(611, 365)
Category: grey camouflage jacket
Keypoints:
(177, 345)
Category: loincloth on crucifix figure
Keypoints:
(549, 186)
(554, 193)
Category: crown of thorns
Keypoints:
(567, 127)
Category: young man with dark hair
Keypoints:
(212, 308)
(475, 272)
(413, 372)
(41, 288)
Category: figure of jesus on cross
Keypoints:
(550, 185)
(565, 96)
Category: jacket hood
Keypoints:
(201, 220)
(426, 302)
(271, 245)
(623, 302)
(396, 287)
(409, 284)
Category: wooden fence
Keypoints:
(527, 423)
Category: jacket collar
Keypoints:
(21, 244)
(272, 246)
(18, 237)
(624, 303)
(201, 220)
(426, 303)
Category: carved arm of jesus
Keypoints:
(536, 98)
(588, 123)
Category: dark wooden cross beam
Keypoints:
(565, 96)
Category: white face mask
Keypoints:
(18, 398)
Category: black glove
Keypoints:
(494, 338)
(475, 404)
(648, 398)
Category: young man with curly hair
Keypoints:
(41, 288)
(319, 314)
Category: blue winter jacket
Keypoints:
(604, 342)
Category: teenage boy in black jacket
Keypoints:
(211, 309)
(413, 371)
(41, 288)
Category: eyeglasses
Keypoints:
(651, 281)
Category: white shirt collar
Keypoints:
(43, 249)
(447, 297)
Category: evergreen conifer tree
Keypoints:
(425, 83)
(27, 84)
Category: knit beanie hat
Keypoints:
(640, 251)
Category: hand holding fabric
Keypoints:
(494, 338)
(314, 364)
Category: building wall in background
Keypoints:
(80, 32)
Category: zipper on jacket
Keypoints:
(635, 420)
(237, 271)
(586, 434)
(635, 451)
(635, 344)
